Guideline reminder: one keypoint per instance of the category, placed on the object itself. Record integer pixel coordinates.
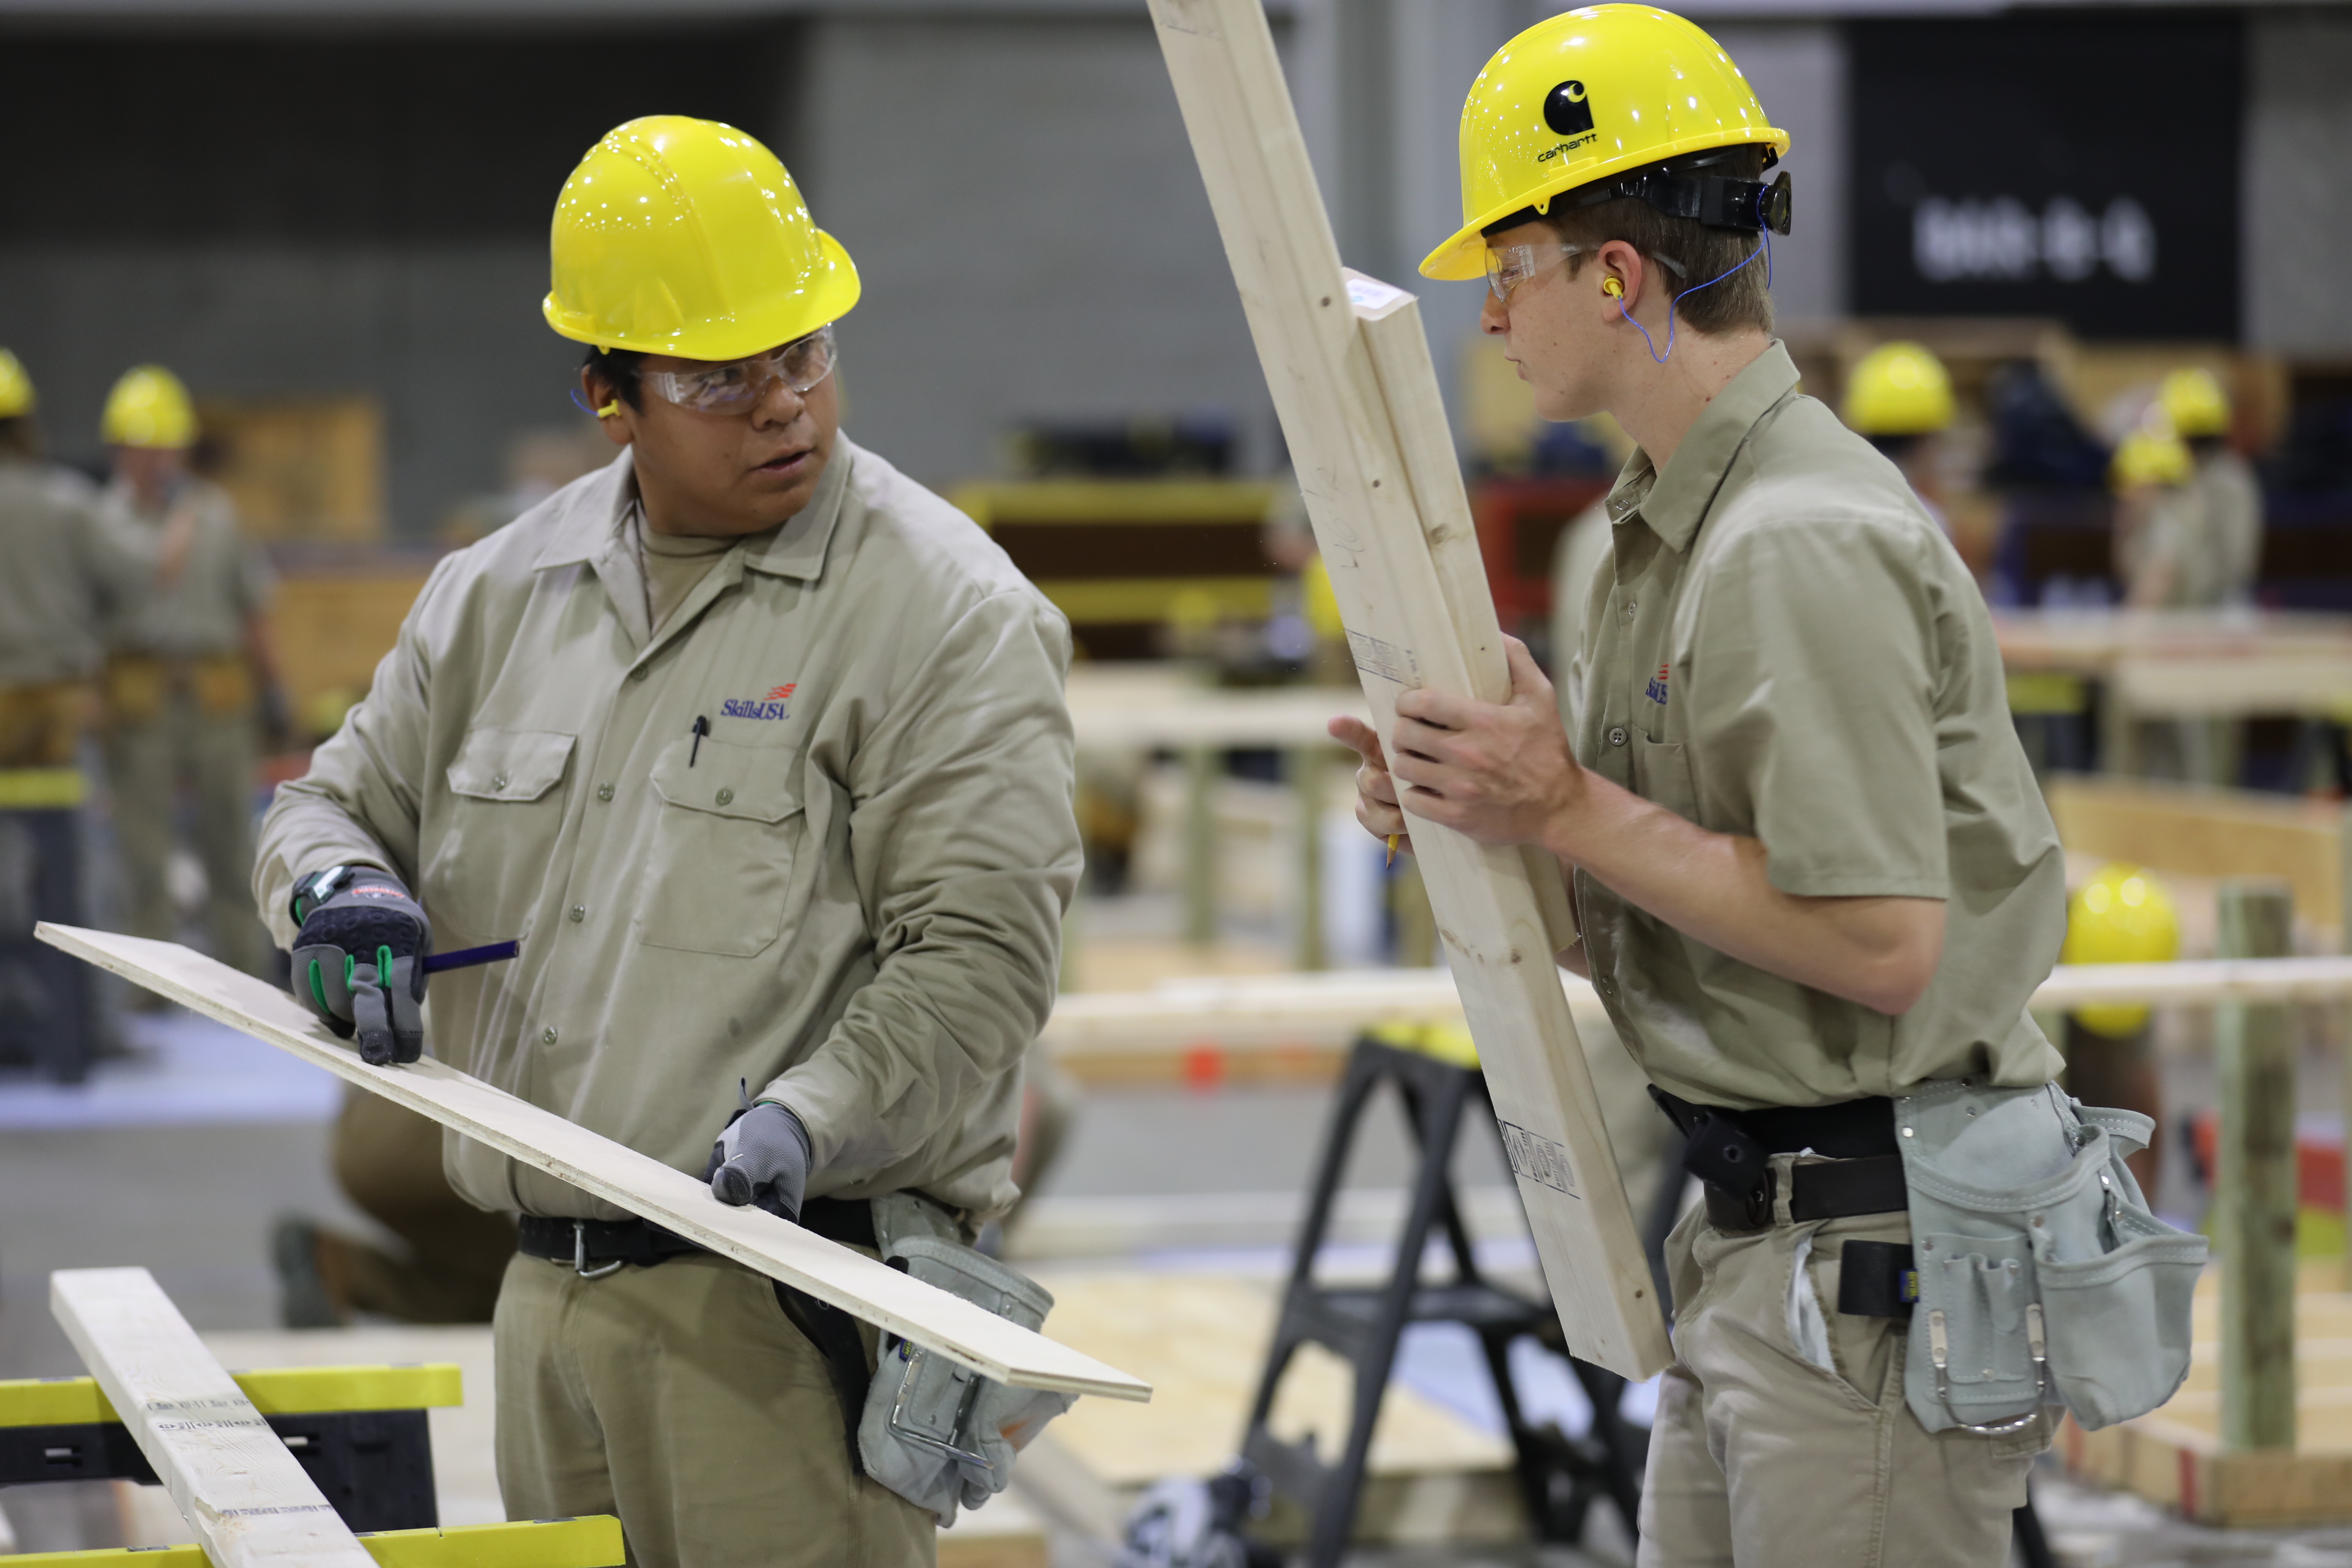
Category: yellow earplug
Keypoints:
(609, 410)
(1614, 289)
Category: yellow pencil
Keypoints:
(1394, 839)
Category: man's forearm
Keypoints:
(1715, 887)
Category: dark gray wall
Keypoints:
(2296, 235)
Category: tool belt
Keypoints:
(1730, 1153)
(138, 686)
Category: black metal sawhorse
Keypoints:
(1560, 1477)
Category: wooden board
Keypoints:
(2208, 832)
(849, 1279)
(245, 1495)
(1432, 1476)
(1369, 438)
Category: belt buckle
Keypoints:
(579, 1255)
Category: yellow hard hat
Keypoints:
(1322, 604)
(1584, 95)
(2152, 455)
(148, 408)
(16, 398)
(1899, 389)
(2193, 401)
(685, 236)
(2120, 916)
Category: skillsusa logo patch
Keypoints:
(1658, 686)
(776, 704)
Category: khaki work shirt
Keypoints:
(1787, 649)
(848, 895)
(2233, 507)
(226, 580)
(66, 568)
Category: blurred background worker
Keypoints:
(2120, 916)
(2229, 501)
(1900, 399)
(2160, 553)
(188, 665)
(66, 569)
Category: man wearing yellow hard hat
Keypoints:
(188, 662)
(759, 749)
(1898, 398)
(2229, 501)
(65, 569)
(1815, 881)
(2160, 545)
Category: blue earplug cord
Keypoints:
(1763, 248)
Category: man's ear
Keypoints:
(1621, 275)
(603, 399)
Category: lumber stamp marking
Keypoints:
(1349, 367)
(247, 1498)
(842, 1276)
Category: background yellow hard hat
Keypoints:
(2120, 916)
(2193, 401)
(1586, 94)
(1321, 602)
(685, 236)
(1899, 389)
(16, 398)
(2152, 455)
(148, 408)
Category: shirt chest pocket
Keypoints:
(504, 814)
(725, 838)
(1662, 772)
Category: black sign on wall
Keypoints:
(2082, 166)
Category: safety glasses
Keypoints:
(739, 385)
(1509, 266)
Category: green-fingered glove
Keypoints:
(359, 960)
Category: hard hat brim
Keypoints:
(829, 295)
(1463, 258)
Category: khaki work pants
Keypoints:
(187, 721)
(1762, 1457)
(388, 1159)
(682, 1399)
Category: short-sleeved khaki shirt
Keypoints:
(1787, 648)
(814, 835)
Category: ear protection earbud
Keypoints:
(1614, 289)
(609, 410)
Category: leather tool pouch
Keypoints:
(2043, 1278)
(936, 1432)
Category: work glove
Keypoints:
(761, 1158)
(359, 960)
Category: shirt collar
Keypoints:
(595, 517)
(1674, 501)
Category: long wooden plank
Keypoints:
(1365, 428)
(245, 1495)
(644, 1187)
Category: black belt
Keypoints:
(587, 1243)
(596, 1248)
(1730, 1152)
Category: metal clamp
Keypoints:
(1940, 1352)
(579, 1255)
(963, 1413)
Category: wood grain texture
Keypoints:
(1348, 368)
(2255, 1197)
(244, 1496)
(644, 1187)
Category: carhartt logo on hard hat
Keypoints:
(1566, 110)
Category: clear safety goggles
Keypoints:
(738, 385)
(1509, 266)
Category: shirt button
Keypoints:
(1617, 736)
(579, 913)
(726, 798)
(640, 672)
(1630, 606)
(603, 792)
(498, 781)
(547, 1037)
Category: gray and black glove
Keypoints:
(359, 960)
(761, 1158)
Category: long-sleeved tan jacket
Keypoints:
(66, 567)
(847, 895)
